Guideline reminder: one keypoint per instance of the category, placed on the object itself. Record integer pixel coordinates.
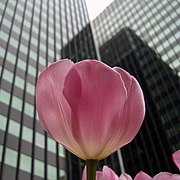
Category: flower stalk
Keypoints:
(91, 169)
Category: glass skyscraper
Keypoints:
(34, 33)
(156, 22)
(143, 38)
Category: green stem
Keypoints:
(91, 169)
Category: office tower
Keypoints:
(156, 22)
(142, 37)
(34, 33)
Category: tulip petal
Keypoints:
(99, 174)
(125, 176)
(134, 109)
(108, 174)
(91, 89)
(166, 176)
(176, 158)
(53, 110)
(142, 176)
(133, 112)
(84, 173)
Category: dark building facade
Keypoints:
(143, 38)
(81, 46)
(158, 138)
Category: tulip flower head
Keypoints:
(176, 158)
(107, 174)
(89, 107)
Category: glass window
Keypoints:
(17, 103)
(3, 121)
(10, 157)
(19, 82)
(165, 44)
(9, 11)
(62, 151)
(155, 40)
(58, 56)
(4, 36)
(179, 74)
(29, 109)
(176, 63)
(23, 48)
(161, 36)
(25, 35)
(177, 35)
(177, 49)
(2, 5)
(51, 53)
(39, 141)
(31, 70)
(11, 57)
(21, 64)
(4, 97)
(8, 76)
(20, 7)
(14, 128)
(170, 53)
(51, 145)
(51, 172)
(159, 48)
(43, 35)
(2, 52)
(14, 42)
(43, 25)
(30, 88)
(171, 39)
(35, 29)
(36, 9)
(29, 4)
(62, 175)
(1, 149)
(33, 55)
(18, 18)
(27, 134)
(34, 41)
(25, 163)
(165, 58)
(27, 24)
(42, 61)
(43, 47)
(7, 23)
(39, 168)
(28, 13)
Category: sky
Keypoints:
(95, 7)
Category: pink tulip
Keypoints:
(166, 176)
(90, 108)
(107, 174)
(176, 158)
(142, 176)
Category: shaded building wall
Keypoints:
(133, 34)
(158, 138)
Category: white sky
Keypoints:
(95, 7)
